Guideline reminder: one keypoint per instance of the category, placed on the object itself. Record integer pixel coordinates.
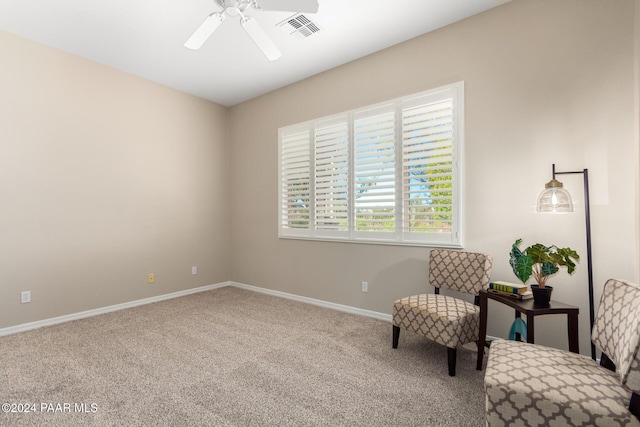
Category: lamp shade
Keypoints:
(554, 198)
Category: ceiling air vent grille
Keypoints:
(299, 26)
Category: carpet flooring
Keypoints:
(232, 357)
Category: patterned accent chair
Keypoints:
(448, 321)
(533, 385)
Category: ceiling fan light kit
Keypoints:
(234, 8)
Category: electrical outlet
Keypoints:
(194, 270)
(365, 287)
(25, 297)
(151, 278)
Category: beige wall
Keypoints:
(104, 177)
(637, 124)
(546, 81)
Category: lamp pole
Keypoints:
(587, 215)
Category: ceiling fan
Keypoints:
(235, 8)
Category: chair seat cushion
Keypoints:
(449, 321)
(533, 385)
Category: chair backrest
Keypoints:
(616, 329)
(460, 271)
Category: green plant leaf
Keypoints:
(568, 255)
(548, 268)
(514, 256)
(540, 260)
(522, 267)
(539, 253)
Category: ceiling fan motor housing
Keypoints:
(252, 28)
(234, 7)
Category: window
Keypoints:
(388, 173)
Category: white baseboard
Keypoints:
(313, 301)
(95, 312)
(321, 303)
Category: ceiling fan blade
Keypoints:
(261, 39)
(308, 6)
(204, 31)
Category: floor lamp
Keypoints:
(556, 199)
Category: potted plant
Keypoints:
(541, 261)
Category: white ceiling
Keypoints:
(146, 37)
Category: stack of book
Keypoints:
(511, 290)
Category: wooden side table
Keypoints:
(531, 311)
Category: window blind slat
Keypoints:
(332, 172)
(374, 168)
(295, 179)
(384, 173)
(427, 168)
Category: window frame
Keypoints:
(399, 236)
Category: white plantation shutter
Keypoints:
(332, 177)
(295, 181)
(374, 170)
(427, 172)
(388, 173)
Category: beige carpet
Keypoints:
(231, 357)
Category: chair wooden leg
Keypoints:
(607, 363)
(396, 335)
(451, 355)
(634, 405)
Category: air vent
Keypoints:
(299, 26)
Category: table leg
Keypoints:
(482, 338)
(572, 327)
(530, 329)
(518, 337)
